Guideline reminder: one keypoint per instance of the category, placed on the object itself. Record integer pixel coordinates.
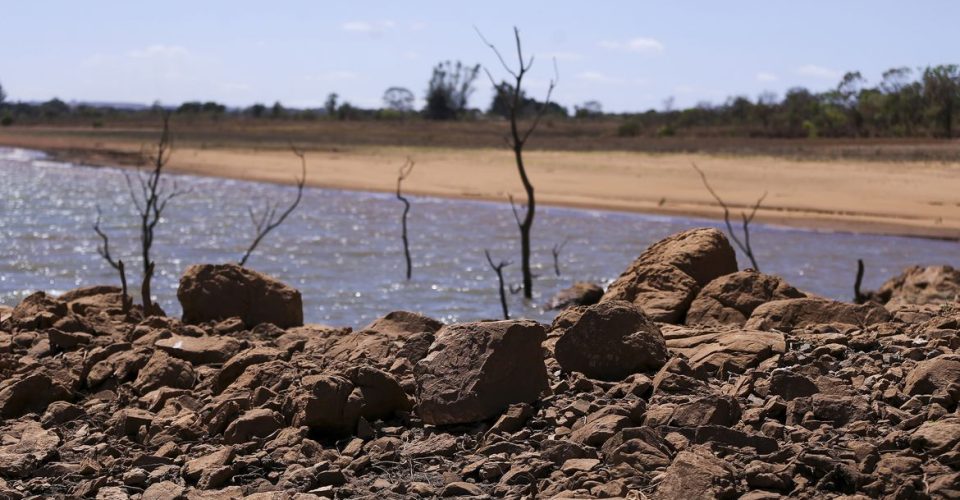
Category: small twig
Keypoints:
(556, 255)
(104, 251)
(743, 245)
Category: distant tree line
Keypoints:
(904, 103)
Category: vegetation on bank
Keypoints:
(906, 103)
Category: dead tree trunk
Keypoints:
(858, 296)
(404, 172)
(517, 141)
(104, 251)
(150, 204)
(268, 220)
(743, 245)
(556, 256)
(498, 268)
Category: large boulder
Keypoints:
(37, 311)
(32, 393)
(697, 474)
(610, 341)
(731, 299)
(212, 292)
(788, 314)
(919, 285)
(474, 371)
(933, 376)
(399, 334)
(94, 299)
(667, 276)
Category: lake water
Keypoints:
(342, 249)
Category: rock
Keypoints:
(164, 370)
(575, 465)
(731, 351)
(25, 447)
(95, 299)
(933, 376)
(335, 403)
(212, 292)
(708, 410)
(195, 468)
(610, 341)
(256, 423)
(461, 489)
(30, 394)
(936, 437)
(731, 299)
(37, 311)
(598, 428)
(164, 490)
(200, 350)
(662, 291)
(580, 293)
(640, 447)
(697, 474)
(919, 285)
(473, 371)
(704, 254)
(128, 421)
(513, 419)
(786, 315)
(238, 363)
(790, 386)
(399, 334)
(403, 323)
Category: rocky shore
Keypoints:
(688, 379)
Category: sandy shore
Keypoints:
(908, 198)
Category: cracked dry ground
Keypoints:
(689, 379)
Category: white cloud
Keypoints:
(333, 76)
(598, 77)
(371, 27)
(812, 70)
(159, 51)
(763, 76)
(639, 44)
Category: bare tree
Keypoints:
(556, 255)
(150, 202)
(268, 219)
(860, 297)
(405, 170)
(743, 245)
(104, 251)
(517, 139)
(498, 268)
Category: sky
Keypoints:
(628, 55)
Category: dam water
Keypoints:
(342, 249)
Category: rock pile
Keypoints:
(731, 384)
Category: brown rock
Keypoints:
(37, 311)
(697, 474)
(598, 428)
(30, 394)
(580, 293)
(211, 292)
(709, 410)
(200, 350)
(936, 437)
(731, 299)
(933, 375)
(256, 423)
(94, 299)
(704, 254)
(25, 446)
(474, 371)
(238, 363)
(730, 351)
(785, 315)
(664, 292)
(195, 468)
(334, 403)
(610, 341)
(164, 370)
(919, 285)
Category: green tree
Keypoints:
(941, 87)
(398, 99)
(330, 105)
(449, 90)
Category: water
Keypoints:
(343, 251)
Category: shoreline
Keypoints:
(594, 181)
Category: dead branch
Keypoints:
(858, 296)
(104, 251)
(744, 245)
(268, 220)
(150, 204)
(405, 170)
(556, 255)
(498, 268)
(518, 139)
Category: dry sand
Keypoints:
(909, 198)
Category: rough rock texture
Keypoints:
(785, 315)
(610, 341)
(211, 292)
(664, 280)
(730, 351)
(474, 371)
(731, 299)
(580, 293)
(921, 285)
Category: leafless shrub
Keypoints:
(269, 219)
(498, 268)
(556, 255)
(104, 251)
(405, 171)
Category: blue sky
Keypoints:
(629, 55)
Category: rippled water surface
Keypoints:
(342, 249)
